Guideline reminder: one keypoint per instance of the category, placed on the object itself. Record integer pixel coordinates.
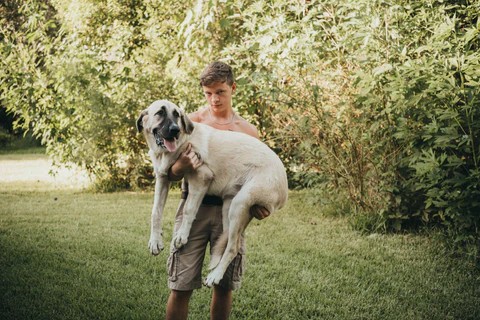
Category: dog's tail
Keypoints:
(218, 250)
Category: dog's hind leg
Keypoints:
(221, 242)
(239, 217)
(227, 202)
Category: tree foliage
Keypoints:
(374, 100)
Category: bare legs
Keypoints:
(177, 305)
(221, 305)
(220, 308)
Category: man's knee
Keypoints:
(222, 291)
(177, 305)
(179, 295)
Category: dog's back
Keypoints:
(238, 160)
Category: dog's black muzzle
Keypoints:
(169, 133)
(173, 131)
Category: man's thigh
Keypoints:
(185, 264)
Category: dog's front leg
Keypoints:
(155, 244)
(189, 213)
(197, 188)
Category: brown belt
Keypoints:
(208, 200)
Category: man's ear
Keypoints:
(140, 120)
(187, 124)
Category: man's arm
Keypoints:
(188, 161)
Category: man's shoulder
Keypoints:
(247, 127)
(197, 116)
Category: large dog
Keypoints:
(236, 167)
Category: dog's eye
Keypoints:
(160, 113)
(176, 114)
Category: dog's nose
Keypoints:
(173, 129)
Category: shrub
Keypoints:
(421, 96)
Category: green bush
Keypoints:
(374, 100)
(77, 76)
(423, 99)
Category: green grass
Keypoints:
(67, 254)
(22, 151)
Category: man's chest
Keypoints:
(234, 126)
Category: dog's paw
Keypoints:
(155, 246)
(213, 278)
(180, 240)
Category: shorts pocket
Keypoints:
(172, 266)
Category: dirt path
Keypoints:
(38, 169)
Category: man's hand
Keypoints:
(188, 161)
(259, 212)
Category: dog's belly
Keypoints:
(267, 186)
(236, 161)
(224, 188)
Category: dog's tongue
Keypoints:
(170, 145)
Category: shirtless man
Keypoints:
(185, 264)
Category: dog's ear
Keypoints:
(187, 124)
(140, 121)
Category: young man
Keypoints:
(185, 264)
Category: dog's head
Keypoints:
(163, 123)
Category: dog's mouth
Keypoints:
(169, 144)
(159, 140)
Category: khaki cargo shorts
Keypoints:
(185, 264)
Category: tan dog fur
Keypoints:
(240, 169)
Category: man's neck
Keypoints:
(225, 116)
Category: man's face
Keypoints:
(219, 95)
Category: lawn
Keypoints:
(66, 253)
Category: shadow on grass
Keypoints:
(78, 255)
